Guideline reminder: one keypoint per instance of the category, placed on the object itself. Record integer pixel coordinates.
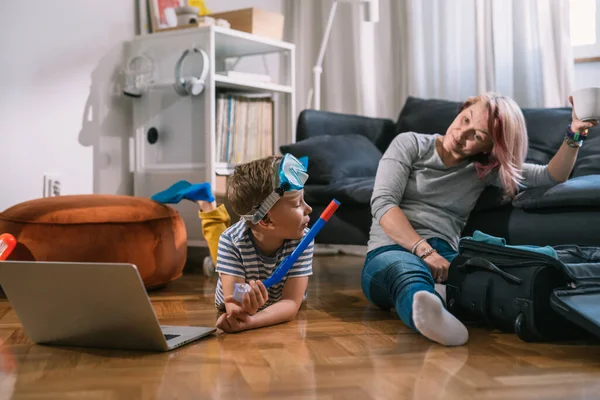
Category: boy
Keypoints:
(268, 194)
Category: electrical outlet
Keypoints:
(51, 186)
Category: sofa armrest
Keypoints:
(577, 192)
(311, 123)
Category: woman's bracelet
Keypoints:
(414, 248)
(575, 139)
(428, 253)
(572, 143)
(576, 136)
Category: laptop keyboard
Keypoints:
(169, 336)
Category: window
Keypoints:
(583, 22)
(585, 28)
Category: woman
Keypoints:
(425, 188)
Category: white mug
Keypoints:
(587, 103)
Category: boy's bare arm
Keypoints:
(285, 309)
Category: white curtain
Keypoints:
(305, 22)
(446, 49)
(524, 50)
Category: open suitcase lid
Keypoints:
(581, 303)
(580, 306)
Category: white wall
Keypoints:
(56, 57)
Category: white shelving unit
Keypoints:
(186, 125)
(232, 83)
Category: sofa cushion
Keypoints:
(331, 158)
(540, 228)
(588, 160)
(349, 191)
(380, 131)
(427, 115)
(581, 191)
(546, 131)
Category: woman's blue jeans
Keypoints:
(392, 275)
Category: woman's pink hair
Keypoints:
(506, 125)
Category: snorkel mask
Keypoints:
(289, 175)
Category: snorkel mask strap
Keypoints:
(289, 175)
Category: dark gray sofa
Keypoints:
(344, 150)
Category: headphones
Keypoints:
(191, 85)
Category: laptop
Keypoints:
(101, 305)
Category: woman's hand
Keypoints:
(438, 266)
(578, 125)
(561, 165)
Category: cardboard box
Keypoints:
(255, 21)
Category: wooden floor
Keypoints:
(338, 347)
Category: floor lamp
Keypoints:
(371, 14)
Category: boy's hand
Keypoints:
(235, 322)
(253, 300)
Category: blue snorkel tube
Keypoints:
(283, 268)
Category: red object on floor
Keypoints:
(7, 244)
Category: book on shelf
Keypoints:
(244, 127)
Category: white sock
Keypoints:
(435, 322)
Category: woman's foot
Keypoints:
(435, 322)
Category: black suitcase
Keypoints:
(536, 296)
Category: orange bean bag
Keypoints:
(100, 228)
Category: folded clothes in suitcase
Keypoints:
(539, 293)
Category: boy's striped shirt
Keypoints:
(238, 256)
